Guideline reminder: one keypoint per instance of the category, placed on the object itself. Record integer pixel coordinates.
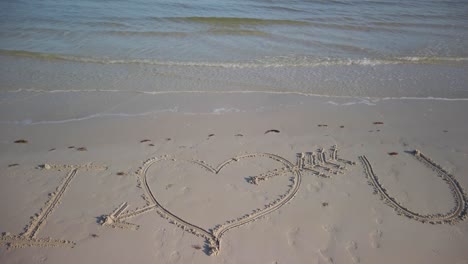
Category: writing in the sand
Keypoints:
(321, 162)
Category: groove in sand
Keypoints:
(213, 236)
(455, 215)
(29, 237)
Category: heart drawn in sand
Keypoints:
(212, 236)
(320, 163)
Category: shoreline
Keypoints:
(379, 81)
(376, 99)
(334, 217)
(42, 106)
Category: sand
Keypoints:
(111, 177)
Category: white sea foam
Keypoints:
(371, 99)
(266, 62)
(226, 110)
(92, 116)
(354, 102)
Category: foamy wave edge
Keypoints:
(373, 99)
(92, 116)
(272, 62)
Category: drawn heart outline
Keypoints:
(213, 236)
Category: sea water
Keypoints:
(334, 47)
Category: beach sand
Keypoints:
(128, 177)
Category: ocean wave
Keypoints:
(213, 31)
(144, 33)
(234, 21)
(269, 62)
(109, 24)
(236, 32)
(269, 6)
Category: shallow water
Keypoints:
(255, 31)
(384, 48)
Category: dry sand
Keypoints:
(101, 177)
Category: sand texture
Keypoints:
(263, 179)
